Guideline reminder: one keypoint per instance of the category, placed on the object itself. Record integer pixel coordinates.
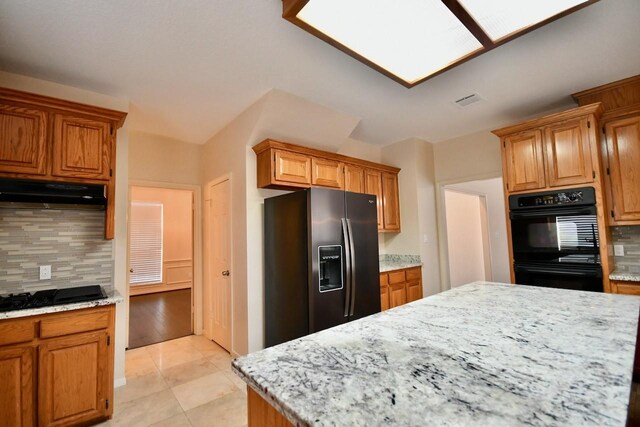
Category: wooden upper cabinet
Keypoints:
(623, 145)
(373, 186)
(568, 153)
(23, 140)
(327, 173)
(292, 167)
(73, 379)
(353, 178)
(524, 161)
(17, 386)
(81, 148)
(390, 202)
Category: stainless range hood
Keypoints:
(52, 195)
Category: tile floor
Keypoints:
(183, 382)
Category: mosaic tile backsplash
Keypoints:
(71, 241)
(628, 236)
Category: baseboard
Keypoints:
(119, 382)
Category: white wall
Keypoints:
(464, 238)
(497, 223)
(43, 87)
(419, 234)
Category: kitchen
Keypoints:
(143, 153)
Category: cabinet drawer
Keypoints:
(384, 279)
(17, 331)
(74, 323)
(396, 277)
(627, 288)
(414, 274)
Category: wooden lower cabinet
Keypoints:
(624, 287)
(17, 367)
(63, 374)
(399, 287)
(262, 414)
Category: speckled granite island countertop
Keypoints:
(483, 354)
(625, 276)
(113, 297)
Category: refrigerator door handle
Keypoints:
(352, 255)
(347, 250)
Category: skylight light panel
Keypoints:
(501, 18)
(410, 39)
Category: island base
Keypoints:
(262, 414)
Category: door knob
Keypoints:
(226, 273)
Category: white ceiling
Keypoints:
(190, 67)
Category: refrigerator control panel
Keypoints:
(330, 268)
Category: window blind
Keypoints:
(145, 243)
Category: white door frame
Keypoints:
(197, 244)
(443, 242)
(206, 195)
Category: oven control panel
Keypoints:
(582, 196)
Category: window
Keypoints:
(145, 243)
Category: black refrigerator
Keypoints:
(321, 261)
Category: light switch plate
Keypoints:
(618, 250)
(45, 272)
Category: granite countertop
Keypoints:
(390, 262)
(625, 276)
(481, 354)
(113, 297)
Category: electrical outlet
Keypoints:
(618, 250)
(45, 272)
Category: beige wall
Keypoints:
(469, 157)
(158, 159)
(417, 207)
(465, 238)
(43, 87)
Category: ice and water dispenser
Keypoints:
(330, 268)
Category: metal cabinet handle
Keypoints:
(226, 273)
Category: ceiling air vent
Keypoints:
(468, 100)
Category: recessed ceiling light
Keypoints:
(413, 40)
(410, 39)
(501, 18)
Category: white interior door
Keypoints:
(218, 262)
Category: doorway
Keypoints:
(161, 264)
(467, 237)
(218, 275)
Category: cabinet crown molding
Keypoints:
(595, 109)
(61, 105)
(274, 144)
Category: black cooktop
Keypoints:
(51, 297)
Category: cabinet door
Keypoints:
(22, 140)
(524, 162)
(292, 167)
(623, 145)
(81, 148)
(390, 202)
(73, 380)
(373, 185)
(354, 179)
(568, 153)
(627, 288)
(384, 297)
(414, 291)
(17, 387)
(397, 294)
(326, 173)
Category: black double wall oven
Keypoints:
(555, 239)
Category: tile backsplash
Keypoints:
(71, 241)
(629, 237)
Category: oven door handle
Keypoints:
(559, 272)
(550, 212)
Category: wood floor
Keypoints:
(158, 317)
